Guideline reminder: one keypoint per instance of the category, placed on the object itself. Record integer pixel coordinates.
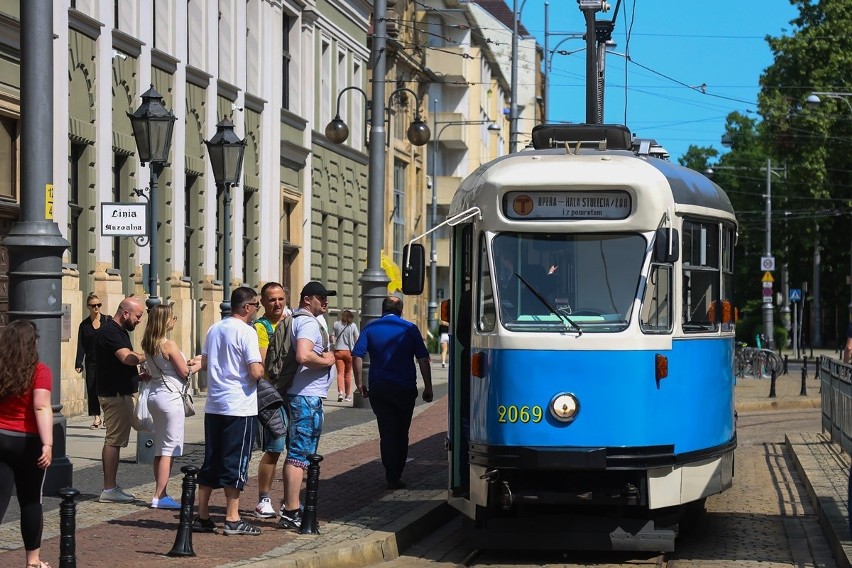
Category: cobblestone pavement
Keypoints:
(766, 520)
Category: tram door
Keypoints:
(459, 379)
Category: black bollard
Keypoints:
(183, 540)
(805, 363)
(804, 391)
(309, 516)
(772, 385)
(816, 369)
(786, 362)
(67, 527)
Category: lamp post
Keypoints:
(374, 281)
(433, 215)
(226, 157)
(152, 128)
(814, 100)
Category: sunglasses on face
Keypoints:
(94, 305)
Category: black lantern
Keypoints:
(226, 153)
(418, 132)
(152, 128)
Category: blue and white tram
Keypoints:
(591, 378)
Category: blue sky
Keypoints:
(719, 44)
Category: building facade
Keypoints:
(276, 69)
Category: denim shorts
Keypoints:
(303, 433)
(270, 442)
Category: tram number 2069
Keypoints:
(512, 414)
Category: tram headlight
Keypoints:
(564, 407)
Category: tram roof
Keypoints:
(687, 186)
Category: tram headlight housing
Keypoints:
(564, 407)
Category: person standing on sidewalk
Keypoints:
(345, 334)
(26, 431)
(274, 301)
(169, 372)
(393, 343)
(118, 380)
(304, 397)
(232, 358)
(86, 351)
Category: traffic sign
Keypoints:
(767, 285)
(767, 263)
(767, 277)
(767, 292)
(795, 295)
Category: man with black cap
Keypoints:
(310, 385)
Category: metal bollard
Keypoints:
(804, 391)
(183, 540)
(805, 363)
(816, 369)
(772, 385)
(309, 516)
(67, 527)
(786, 362)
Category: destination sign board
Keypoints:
(567, 205)
(124, 219)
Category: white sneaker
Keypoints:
(264, 509)
(116, 495)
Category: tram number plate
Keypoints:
(512, 414)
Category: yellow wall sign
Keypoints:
(48, 201)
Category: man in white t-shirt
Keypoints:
(304, 398)
(232, 359)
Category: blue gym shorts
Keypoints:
(227, 450)
(303, 433)
(270, 442)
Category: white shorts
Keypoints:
(445, 338)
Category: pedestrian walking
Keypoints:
(86, 358)
(274, 301)
(304, 397)
(169, 372)
(393, 344)
(345, 334)
(118, 379)
(232, 359)
(444, 338)
(26, 431)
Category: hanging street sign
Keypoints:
(124, 219)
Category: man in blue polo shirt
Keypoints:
(393, 343)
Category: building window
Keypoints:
(251, 222)
(325, 83)
(75, 206)
(398, 210)
(191, 250)
(119, 162)
(8, 158)
(285, 61)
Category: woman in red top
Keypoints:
(26, 430)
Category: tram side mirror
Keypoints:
(661, 245)
(413, 269)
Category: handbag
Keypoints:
(142, 421)
(185, 395)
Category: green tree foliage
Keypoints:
(811, 202)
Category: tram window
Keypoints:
(655, 315)
(701, 275)
(487, 312)
(727, 294)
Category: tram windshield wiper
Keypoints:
(558, 313)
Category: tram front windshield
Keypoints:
(576, 282)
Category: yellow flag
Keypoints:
(393, 272)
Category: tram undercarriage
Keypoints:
(589, 510)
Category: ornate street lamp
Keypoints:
(374, 281)
(152, 128)
(226, 152)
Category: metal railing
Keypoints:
(836, 399)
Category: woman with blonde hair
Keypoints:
(26, 430)
(86, 350)
(345, 334)
(169, 373)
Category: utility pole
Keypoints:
(769, 306)
(35, 243)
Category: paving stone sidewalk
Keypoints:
(353, 506)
